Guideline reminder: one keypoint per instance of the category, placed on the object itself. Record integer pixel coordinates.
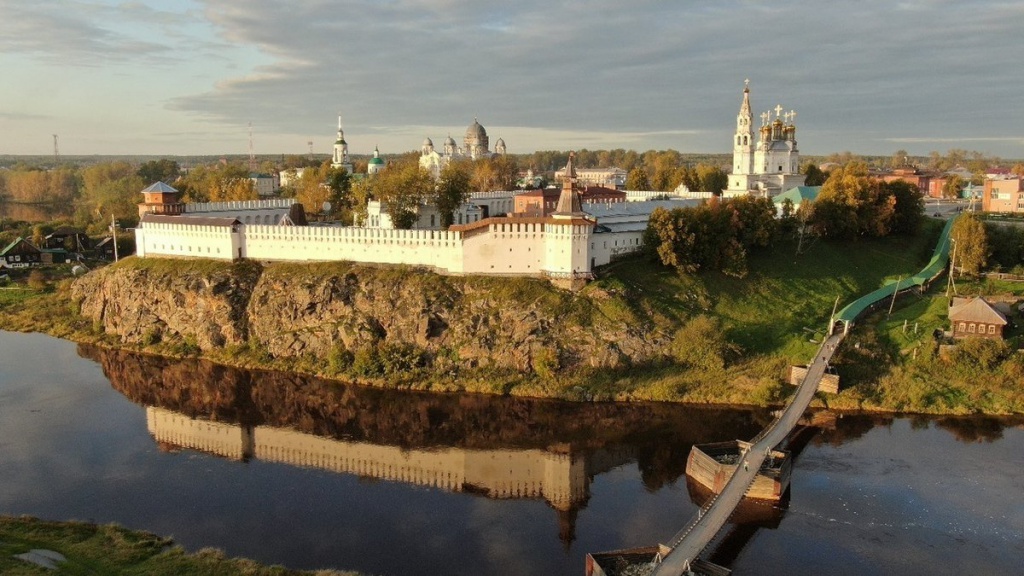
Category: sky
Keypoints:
(189, 77)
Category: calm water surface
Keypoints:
(310, 474)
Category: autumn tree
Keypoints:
(852, 204)
(637, 179)
(711, 179)
(111, 189)
(402, 188)
(908, 206)
(451, 191)
(217, 183)
(969, 248)
(952, 187)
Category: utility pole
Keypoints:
(894, 293)
(113, 235)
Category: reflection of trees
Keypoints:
(658, 435)
(973, 429)
(851, 427)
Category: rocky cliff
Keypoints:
(301, 310)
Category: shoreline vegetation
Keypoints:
(719, 339)
(108, 549)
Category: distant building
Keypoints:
(976, 317)
(608, 177)
(340, 158)
(160, 198)
(911, 175)
(474, 146)
(265, 184)
(542, 202)
(772, 164)
(1006, 195)
(375, 164)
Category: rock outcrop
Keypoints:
(294, 310)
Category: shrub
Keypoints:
(366, 362)
(546, 363)
(151, 337)
(37, 280)
(340, 359)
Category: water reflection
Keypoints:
(498, 447)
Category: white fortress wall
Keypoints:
(218, 242)
(496, 201)
(606, 246)
(246, 211)
(433, 248)
(505, 248)
(228, 440)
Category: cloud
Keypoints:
(612, 67)
(860, 75)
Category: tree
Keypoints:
(162, 170)
(402, 188)
(899, 159)
(112, 189)
(813, 175)
(451, 191)
(909, 206)
(711, 179)
(953, 186)
(339, 184)
(637, 179)
(969, 248)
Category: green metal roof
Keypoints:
(798, 194)
(940, 257)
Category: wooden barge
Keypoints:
(641, 562)
(712, 465)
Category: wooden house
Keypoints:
(20, 254)
(976, 317)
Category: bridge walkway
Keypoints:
(689, 542)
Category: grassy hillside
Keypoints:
(91, 549)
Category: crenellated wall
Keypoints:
(432, 248)
(187, 240)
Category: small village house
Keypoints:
(974, 317)
(20, 254)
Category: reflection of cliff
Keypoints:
(657, 436)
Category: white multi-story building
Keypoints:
(772, 164)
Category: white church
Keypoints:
(771, 165)
(564, 246)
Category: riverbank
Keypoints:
(108, 549)
(640, 332)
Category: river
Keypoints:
(312, 474)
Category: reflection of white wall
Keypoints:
(227, 440)
(559, 478)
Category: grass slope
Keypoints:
(109, 549)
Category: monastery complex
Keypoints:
(561, 235)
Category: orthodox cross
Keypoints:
(778, 110)
(792, 115)
(764, 117)
(786, 116)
